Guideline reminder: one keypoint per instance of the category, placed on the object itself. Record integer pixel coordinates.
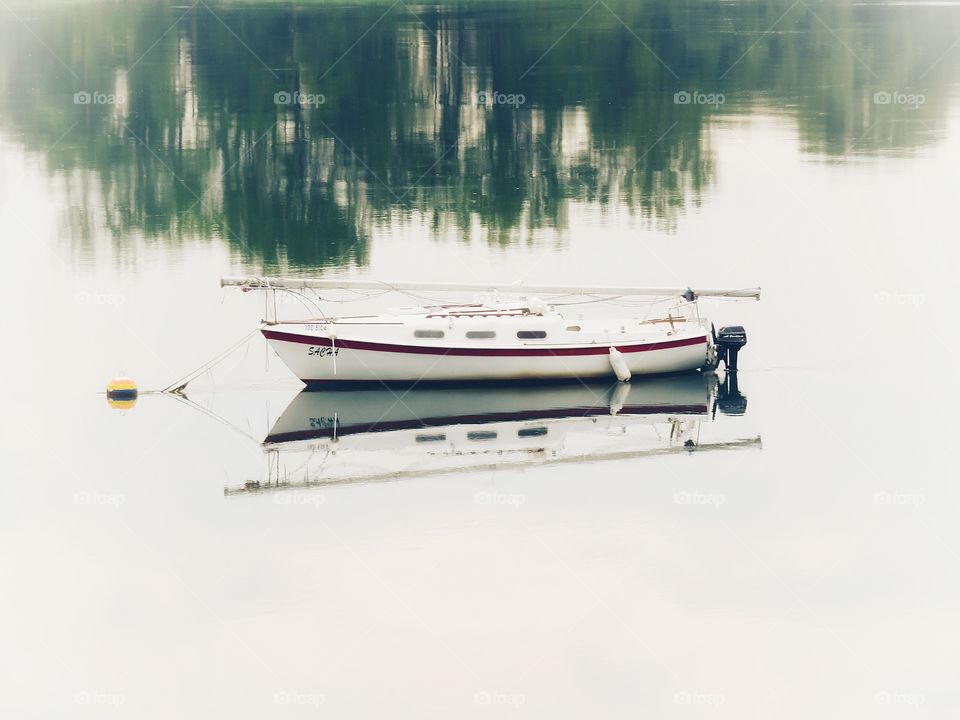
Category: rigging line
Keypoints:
(612, 299)
(362, 294)
(305, 299)
(447, 299)
(598, 299)
(178, 386)
(209, 413)
(301, 466)
(428, 299)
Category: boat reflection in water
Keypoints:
(335, 437)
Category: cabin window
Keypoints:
(431, 438)
(531, 334)
(481, 334)
(573, 328)
(532, 432)
(482, 435)
(428, 333)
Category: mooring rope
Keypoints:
(182, 383)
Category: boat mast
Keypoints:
(270, 283)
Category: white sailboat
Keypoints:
(515, 333)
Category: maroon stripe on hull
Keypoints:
(481, 352)
(481, 419)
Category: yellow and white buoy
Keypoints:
(121, 393)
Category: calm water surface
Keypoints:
(146, 149)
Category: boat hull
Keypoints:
(320, 360)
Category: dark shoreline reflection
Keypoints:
(200, 147)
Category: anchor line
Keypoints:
(180, 385)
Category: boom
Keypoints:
(269, 283)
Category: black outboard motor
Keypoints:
(728, 342)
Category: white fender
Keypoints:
(619, 365)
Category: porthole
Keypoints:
(481, 334)
(431, 438)
(428, 333)
(481, 435)
(531, 334)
